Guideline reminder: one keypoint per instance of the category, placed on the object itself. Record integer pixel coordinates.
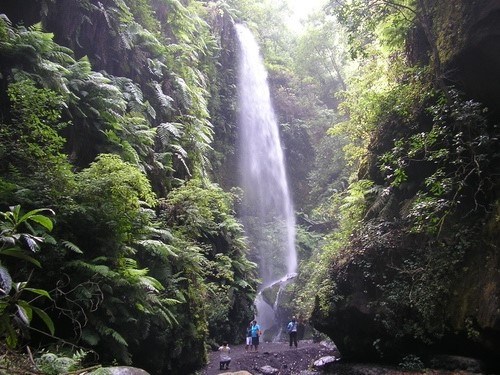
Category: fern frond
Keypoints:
(97, 269)
(164, 100)
(179, 150)
(110, 332)
(163, 234)
(168, 317)
(381, 197)
(157, 67)
(71, 246)
(183, 92)
(151, 283)
(169, 129)
(158, 248)
(150, 110)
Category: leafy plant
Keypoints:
(203, 215)
(15, 312)
(454, 157)
(53, 364)
(411, 362)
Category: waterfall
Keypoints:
(268, 213)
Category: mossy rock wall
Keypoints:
(393, 292)
(468, 39)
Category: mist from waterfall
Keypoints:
(268, 211)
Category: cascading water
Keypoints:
(268, 211)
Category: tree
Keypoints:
(391, 20)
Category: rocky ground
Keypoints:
(279, 359)
(275, 355)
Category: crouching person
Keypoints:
(225, 358)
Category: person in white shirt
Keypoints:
(249, 337)
(225, 359)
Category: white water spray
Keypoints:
(269, 217)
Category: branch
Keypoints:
(57, 338)
(335, 66)
(399, 6)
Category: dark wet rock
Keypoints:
(394, 292)
(328, 344)
(454, 362)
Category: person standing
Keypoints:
(256, 332)
(249, 337)
(225, 358)
(292, 331)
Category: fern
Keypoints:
(110, 332)
(181, 152)
(95, 269)
(164, 234)
(157, 67)
(164, 100)
(168, 317)
(158, 248)
(169, 130)
(183, 92)
(381, 197)
(71, 246)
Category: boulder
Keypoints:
(119, 370)
(268, 370)
(455, 362)
(325, 363)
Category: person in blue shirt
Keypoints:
(292, 331)
(256, 332)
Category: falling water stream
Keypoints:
(268, 211)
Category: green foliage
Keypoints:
(53, 364)
(419, 287)
(267, 18)
(309, 248)
(458, 148)
(320, 57)
(17, 313)
(411, 362)
(114, 295)
(113, 191)
(31, 141)
(370, 20)
(347, 210)
(204, 214)
(34, 55)
(131, 281)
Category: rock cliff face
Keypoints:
(468, 38)
(396, 292)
